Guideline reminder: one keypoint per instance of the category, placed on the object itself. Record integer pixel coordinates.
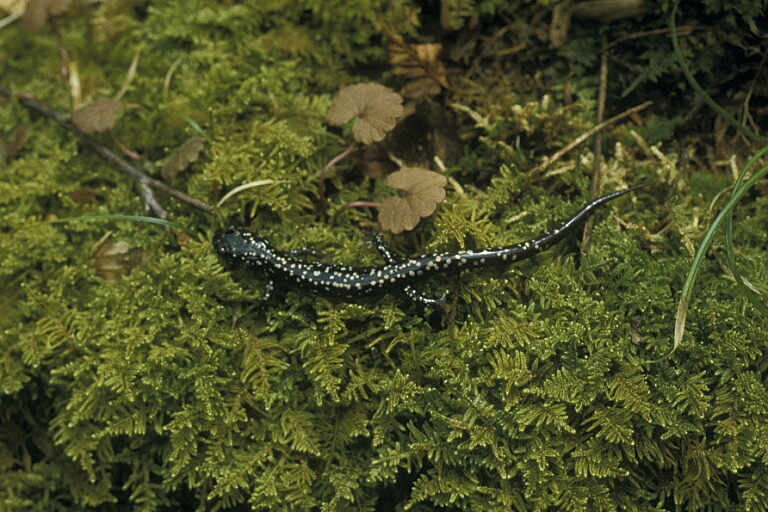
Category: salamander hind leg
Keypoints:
(427, 302)
(268, 289)
(410, 291)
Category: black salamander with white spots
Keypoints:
(241, 247)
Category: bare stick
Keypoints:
(584, 136)
(144, 183)
(594, 189)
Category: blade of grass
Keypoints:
(246, 186)
(753, 297)
(700, 90)
(726, 213)
(129, 218)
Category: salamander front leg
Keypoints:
(386, 252)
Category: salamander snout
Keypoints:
(240, 245)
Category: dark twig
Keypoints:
(594, 190)
(584, 136)
(144, 183)
(684, 30)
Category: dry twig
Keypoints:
(594, 190)
(144, 183)
(584, 136)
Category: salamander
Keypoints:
(240, 247)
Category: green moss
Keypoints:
(174, 388)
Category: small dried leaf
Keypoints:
(98, 116)
(58, 7)
(19, 139)
(15, 7)
(35, 16)
(561, 24)
(113, 260)
(423, 190)
(417, 60)
(37, 12)
(611, 10)
(377, 107)
(188, 153)
(84, 195)
(420, 88)
(375, 162)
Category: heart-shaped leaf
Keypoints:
(97, 116)
(423, 190)
(113, 260)
(188, 152)
(376, 107)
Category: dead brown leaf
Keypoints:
(12, 6)
(611, 10)
(376, 107)
(375, 162)
(417, 60)
(58, 7)
(18, 139)
(113, 260)
(35, 16)
(84, 195)
(600, 10)
(37, 12)
(188, 153)
(97, 116)
(421, 88)
(423, 190)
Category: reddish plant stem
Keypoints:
(355, 204)
(333, 161)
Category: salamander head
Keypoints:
(240, 246)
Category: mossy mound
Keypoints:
(167, 385)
